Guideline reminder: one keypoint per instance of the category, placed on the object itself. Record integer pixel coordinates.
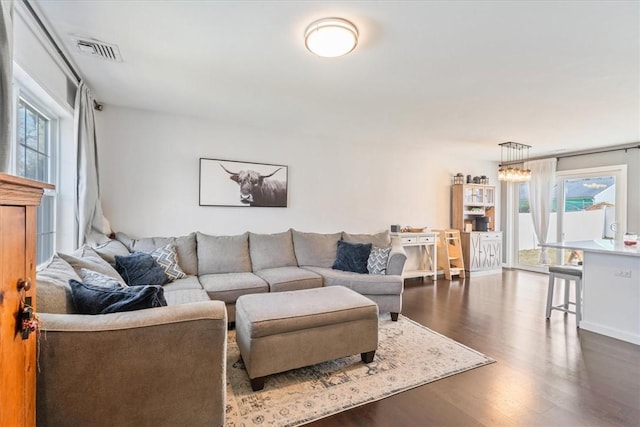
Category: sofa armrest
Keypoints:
(397, 258)
(161, 366)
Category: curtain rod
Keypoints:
(51, 39)
(608, 150)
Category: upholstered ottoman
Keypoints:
(286, 330)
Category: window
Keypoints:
(35, 160)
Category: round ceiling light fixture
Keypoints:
(331, 37)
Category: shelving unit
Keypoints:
(469, 201)
(450, 257)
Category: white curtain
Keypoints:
(6, 77)
(90, 221)
(543, 177)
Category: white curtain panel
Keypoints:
(6, 76)
(543, 178)
(89, 217)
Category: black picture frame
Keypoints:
(233, 183)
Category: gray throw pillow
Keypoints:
(223, 254)
(98, 279)
(110, 249)
(167, 258)
(378, 260)
(271, 250)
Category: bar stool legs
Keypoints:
(569, 274)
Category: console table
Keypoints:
(425, 244)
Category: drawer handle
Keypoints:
(24, 284)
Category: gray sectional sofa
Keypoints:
(131, 359)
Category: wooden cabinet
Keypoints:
(424, 246)
(482, 251)
(470, 201)
(19, 199)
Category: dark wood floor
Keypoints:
(548, 373)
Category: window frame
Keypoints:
(21, 93)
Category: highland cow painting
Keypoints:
(242, 184)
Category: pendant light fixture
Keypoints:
(512, 155)
(331, 37)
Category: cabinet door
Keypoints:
(491, 253)
(475, 252)
(489, 196)
(17, 374)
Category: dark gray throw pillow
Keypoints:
(352, 257)
(90, 299)
(140, 269)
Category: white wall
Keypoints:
(149, 178)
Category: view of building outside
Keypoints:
(588, 213)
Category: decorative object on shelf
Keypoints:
(458, 178)
(395, 228)
(331, 37)
(484, 180)
(512, 159)
(410, 229)
(630, 238)
(232, 183)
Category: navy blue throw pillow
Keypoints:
(352, 257)
(140, 269)
(90, 299)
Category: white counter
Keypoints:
(611, 287)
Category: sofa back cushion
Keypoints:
(315, 249)
(271, 250)
(86, 257)
(109, 250)
(52, 282)
(223, 254)
(185, 248)
(380, 240)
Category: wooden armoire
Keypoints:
(19, 199)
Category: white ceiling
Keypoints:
(557, 75)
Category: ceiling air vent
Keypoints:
(99, 49)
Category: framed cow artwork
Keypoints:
(242, 184)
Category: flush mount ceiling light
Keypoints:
(331, 37)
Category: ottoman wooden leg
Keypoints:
(394, 317)
(368, 356)
(257, 384)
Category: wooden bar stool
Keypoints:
(569, 274)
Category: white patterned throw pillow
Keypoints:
(94, 278)
(378, 258)
(167, 258)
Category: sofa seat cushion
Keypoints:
(228, 287)
(315, 249)
(366, 284)
(185, 296)
(188, 283)
(185, 248)
(289, 278)
(271, 250)
(223, 254)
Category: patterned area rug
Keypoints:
(408, 355)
